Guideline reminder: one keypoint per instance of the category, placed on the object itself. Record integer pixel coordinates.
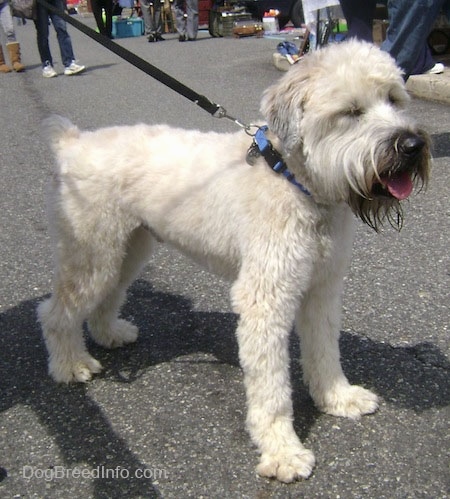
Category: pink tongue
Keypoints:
(399, 186)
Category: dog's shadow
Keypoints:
(412, 377)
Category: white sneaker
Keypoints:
(73, 69)
(48, 71)
(437, 69)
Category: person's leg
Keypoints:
(180, 19)
(359, 16)
(424, 62)
(12, 45)
(157, 20)
(409, 26)
(98, 15)
(108, 6)
(7, 22)
(64, 41)
(146, 14)
(14, 56)
(41, 24)
(192, 19)
(4, 68)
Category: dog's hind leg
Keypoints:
(104, 325)
(267, 314)
(86, 271)
(62, 330)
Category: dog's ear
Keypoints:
(282, 105)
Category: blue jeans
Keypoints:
(64, 41)
(410, 23)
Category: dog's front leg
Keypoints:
(266, 318)
(318, 325)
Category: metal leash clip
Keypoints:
(255, 150)
(222, 113)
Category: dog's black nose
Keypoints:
(410, 144)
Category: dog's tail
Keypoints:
(59, 129)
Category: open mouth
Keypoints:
(398, 185)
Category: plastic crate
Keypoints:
(124, 28)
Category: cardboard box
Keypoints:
(124, 28)
(271, 25)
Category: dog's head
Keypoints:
(338, 114)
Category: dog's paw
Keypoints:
(79, 370)
(287, 466)
(120, 333)
(350, 401)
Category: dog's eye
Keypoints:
(353, 112)
(397, 100)
(393, 100)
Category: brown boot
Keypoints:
(3, 67)
(14, 55)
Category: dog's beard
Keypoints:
(390, 178)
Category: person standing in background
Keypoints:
(152, 20)
(410, 23)
(64, 40)
(186, 16)
(12, 45)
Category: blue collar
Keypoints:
(274, 158)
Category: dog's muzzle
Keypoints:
(410, 144)
(402, 163)
(409, 151)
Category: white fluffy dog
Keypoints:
(336, 119)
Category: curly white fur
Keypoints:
(116, 190)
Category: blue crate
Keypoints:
(123, 28)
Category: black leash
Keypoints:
(138, 62)
(260, 146)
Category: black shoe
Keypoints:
(151, 38)
(159, 38)
(182, 38)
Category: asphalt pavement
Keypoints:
(166, 417)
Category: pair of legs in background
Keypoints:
(12, 45)
(64, 41)
(410, 24)
(186, 16)
(151, 12)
